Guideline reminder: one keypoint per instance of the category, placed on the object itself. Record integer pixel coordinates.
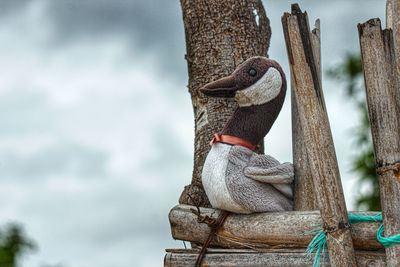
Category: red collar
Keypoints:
(232, 140)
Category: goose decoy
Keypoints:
(235, 178)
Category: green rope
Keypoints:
(318, 243)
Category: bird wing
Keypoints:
(266, 169)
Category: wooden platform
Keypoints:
(264, 257)
(270, 230)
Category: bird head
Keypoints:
(256, 81)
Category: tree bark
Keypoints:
(264, 230)
(379, 64)
(219, 36)
(315, 126)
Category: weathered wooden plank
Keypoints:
(262, 230)
(271, 258)
(304, 198)
(378, 58)
(317, 137)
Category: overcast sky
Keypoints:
(96, 133)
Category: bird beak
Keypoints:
(224, 87)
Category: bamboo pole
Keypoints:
(270, 258)
(380, 73)
(263, 230)
(318, 138)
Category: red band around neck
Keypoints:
(233, 140)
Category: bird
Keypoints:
(235, 178)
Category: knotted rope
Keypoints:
(318, 243)
(214, 225)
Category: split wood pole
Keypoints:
(318, 138)
(304, 198)
(380, 73)
(393, 22)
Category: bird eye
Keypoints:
(252, 72)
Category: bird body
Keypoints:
(214, 181)
(234, 177)
(228, 188)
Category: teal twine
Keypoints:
(389, 241)
(318, 243)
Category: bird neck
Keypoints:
(252, 123)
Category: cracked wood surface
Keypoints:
(383, 99)
(304, 197)
(263, 230)
(270, 258)
(317, 137)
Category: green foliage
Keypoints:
(350, 73)
(13, 244)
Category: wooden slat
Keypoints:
(317, 137)
(272, 258)
(262, 230)
(380, 73)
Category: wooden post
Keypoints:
(378, 57)
(393, 22)
(304, 198)
(318, 138)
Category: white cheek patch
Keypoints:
(263, 91)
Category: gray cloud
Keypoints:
(169, 158)
(154, 27)
(65, 157)
(9, 7)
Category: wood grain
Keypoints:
(270, 258)
(317, 137)
(393, 22)
(263, 230)
(304, 189)
(380, 75)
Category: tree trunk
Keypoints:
(219, 36)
